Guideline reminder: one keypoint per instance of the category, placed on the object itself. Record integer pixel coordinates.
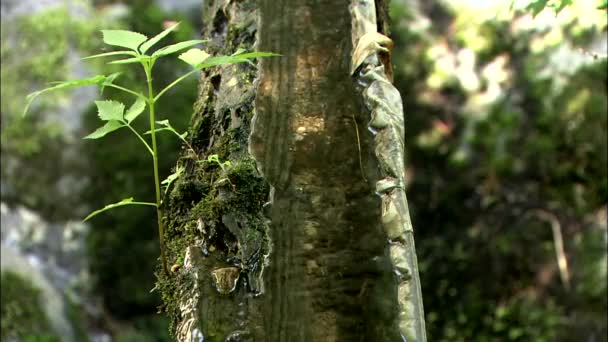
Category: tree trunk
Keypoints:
(305, 236)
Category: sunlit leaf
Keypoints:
(563, 5)
(129, 60)
(239, 51)
(128, 39)
(167, 127)
(110, 110)
(237, 58)
(108, 80)
(169, 49)
(110, 126)
(256, 54)
(114, 53)
(135, 109)
(194, 56)
(98, 79)
(147, 45)
(214, 158)
(537, 6)
(126, 201)
(172, 177)
(222, 60)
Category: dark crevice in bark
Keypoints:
(220, 22)
(216, 80)
(382, 17)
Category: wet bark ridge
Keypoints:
(371, 69)
(330, 277)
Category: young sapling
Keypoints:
(135, 50)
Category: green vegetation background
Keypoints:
(506, 118)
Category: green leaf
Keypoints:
(126, 201)
(172, 177)
(108, 80)
(167, 127)
(239, 58)
(98, 79)
(169, 49)
(214, 158)
(114, 53)
(135, 109)
(147, 45)
(562, 5)
(164, 123)
(239, 51)
(256, 54)
(110, 110)
(110, 126)
(128, 39)
(129, 60)
(194, 57)
(222, 60)
(536, 7)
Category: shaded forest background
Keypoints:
(506, 135)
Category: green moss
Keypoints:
(218, 209)
(22, 314)
(204, 196)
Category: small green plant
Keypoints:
(115, 116)
(215, 159)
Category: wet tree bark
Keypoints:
(288, 241)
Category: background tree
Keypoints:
(508, 145)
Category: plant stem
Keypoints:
(141, 139)
(181, 78)
(147, 68)
(127, 91)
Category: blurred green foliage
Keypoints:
(34, 49)
(506, 116)
(39, 53)
(22, 313)
(537, 6)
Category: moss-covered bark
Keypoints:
(214, 211)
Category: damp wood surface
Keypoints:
(329, 278)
